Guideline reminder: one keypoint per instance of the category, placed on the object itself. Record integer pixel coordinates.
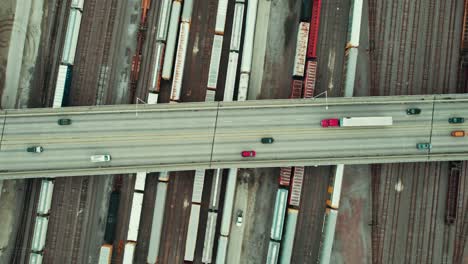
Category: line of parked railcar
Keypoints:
(331, 215)
(158, 217)
(64, 76)
(61, 92)
(302, 86)
(42, 220)
(136, 58)
(352, 45)
(247, 50)
(192, 231)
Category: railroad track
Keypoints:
(413, 47)
(402, 47)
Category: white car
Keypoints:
(239, 218)
(100, 158)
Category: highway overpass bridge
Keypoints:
(212, 135)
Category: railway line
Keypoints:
(427, 196)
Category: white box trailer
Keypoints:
(135, 215)
(140, 181)
(366, 121)
(45, 197)
(191, 241)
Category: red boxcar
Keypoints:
(314, 29)
(296, 89)
(309, 84)
(285, 176)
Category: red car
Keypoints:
(248, 153)
(333, 122)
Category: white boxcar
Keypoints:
(301, 49)
(228, 202)
(289, 234)
(158, 57)
(236, 35)
(129, 253)
(198, 182)
(350, 71)
(78, 4)
(180, 61)
(35, 258)
(328, 234)
(221, 252)
(135, 215)
(216, 189)
(45, 197)
(71, 37)
(209, 237)
(140, 181)
(105, 254)
(213, 71)
(221, 16)
(296, 186)
(334, 190)
(152, 98)
(187, 11)
(247, 49)
(191, 241)
(40, 232)
(231, 77)
(163, 22)
(273, 252)
(243, 87)
(279, 214)
(210, 95)
(156, 227)
(163, 176)
(63, 77)
(355, 27)
(171, 41)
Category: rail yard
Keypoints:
(93, 53)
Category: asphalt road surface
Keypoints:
(203, 135)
